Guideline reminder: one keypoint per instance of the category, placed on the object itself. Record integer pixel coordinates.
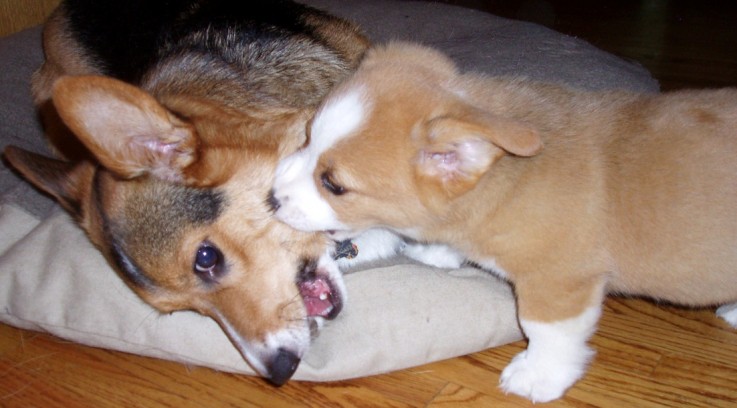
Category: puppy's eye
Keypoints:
(330, 185)
(208, 263)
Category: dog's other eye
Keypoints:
(208, 263)
(330, 185)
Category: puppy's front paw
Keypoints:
(542, 379)
(439, 256)
(728, 313)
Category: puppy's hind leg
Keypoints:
(557, 353)
(728, 313)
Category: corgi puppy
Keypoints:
(569, 195)
(171, 117)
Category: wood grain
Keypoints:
(649, 355)
(16, 15)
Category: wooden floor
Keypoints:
(648, 355)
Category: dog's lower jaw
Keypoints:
(556, 357)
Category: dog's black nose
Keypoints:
(272, 201)
(283, 366)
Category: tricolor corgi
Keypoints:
(179, 112)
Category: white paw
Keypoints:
(540, 379)
(728, 313)
(373, 245)
(439, 256)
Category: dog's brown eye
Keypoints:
(330, 185)
(208, 264)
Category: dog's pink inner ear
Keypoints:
(509, 135)
(128, 131)
(460, 159)
(460, 149)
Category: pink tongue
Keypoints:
(312, 291)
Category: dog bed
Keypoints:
(397, 315)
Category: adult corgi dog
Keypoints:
(179, 112)
(567, 194)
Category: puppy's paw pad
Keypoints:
(538, 381)
(729, 314)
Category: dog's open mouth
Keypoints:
(319, 294)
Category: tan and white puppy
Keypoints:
(569, 195)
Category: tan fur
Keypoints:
(632, 193)
(569, 195)
(63, 56)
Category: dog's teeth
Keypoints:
(323, 296)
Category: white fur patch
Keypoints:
(556, 357)
(729, 314)
(373, 244)
(337, 118)
(439, 256)
(378, 243)
(301, 204)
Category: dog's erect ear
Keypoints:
(460, 148)
(127, 130)
(68, 183)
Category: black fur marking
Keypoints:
(122, 261)
(128, 37)
(129, 268)
(174, 205)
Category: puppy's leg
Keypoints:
(728, 313)
(376, 244)
(557, 353)
(372, 245)
(439, 256)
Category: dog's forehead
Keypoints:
(162, 208)
(147, 225)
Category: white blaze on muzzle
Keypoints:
(299, 202)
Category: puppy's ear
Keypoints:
(461, 148)
(124, 127)
(68, 183)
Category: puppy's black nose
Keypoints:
(272, 201)
(285, 363)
